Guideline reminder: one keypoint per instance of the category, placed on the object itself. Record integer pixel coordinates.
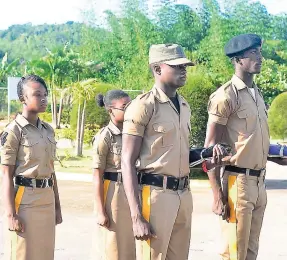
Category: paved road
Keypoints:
(75, 234)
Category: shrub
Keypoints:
(46, 116)
(272, 80)
(197, 91)
(89, 134)
(96, 117)
(65, 133)
(278, 117)
(3, 115)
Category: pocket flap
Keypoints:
(28, 141)
(243, 113)
(52, 139)
(163, 127)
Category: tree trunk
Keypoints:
(82, 128)
(79, 121)
(52, 106)
(55, 109)
(58, 126)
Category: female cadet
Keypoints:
(32, 205)
(114, 237)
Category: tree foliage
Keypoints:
(115, 51)
(278, 117)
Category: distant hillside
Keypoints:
(29, 42)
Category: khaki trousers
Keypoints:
(169, 213)
(247, 199)
(36, 208)
(117, 242)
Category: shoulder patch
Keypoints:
(3, 138)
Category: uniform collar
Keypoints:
(114, 128)
(22, 121)
(163, 98)
(239, 84)
(160, 95)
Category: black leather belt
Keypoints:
(33, 183)
(252, 172)
(172, 183)
(113, 176)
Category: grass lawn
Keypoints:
(74, 164)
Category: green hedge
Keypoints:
(197, 91)
(278, 117)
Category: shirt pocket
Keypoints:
(52, 146)
(248, 121)
(116, 152)
(165, 131)
(28, 148)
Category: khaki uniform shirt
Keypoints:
(32, 149)
(245, 118)
(165, 133)
(107, 146)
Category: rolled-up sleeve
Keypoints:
(219, 110)
(137, 116)
(100, 151)
(9, 148)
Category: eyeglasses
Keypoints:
(117, 108)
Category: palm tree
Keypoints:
(60, 68)
(82, 91)
(6, 68)
(55, 68)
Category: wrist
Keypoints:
(101, 211)
(217, 191)
(57, 205)
(58, 208)
(11, 214)
(210, 165)
(136, 216)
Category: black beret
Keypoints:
(241, 43)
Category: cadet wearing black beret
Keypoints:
(238, 118)
(241, 43)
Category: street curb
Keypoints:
(85, 177)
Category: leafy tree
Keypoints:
(197, 91)
(278, 117)
(272, 80)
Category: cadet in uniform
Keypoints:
(238, 117)
(32, 206)
(156, 131)
(114, 239)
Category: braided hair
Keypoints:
(29, 78)
(106, 101)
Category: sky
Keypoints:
(61, 11)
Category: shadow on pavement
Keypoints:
(276, 184)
